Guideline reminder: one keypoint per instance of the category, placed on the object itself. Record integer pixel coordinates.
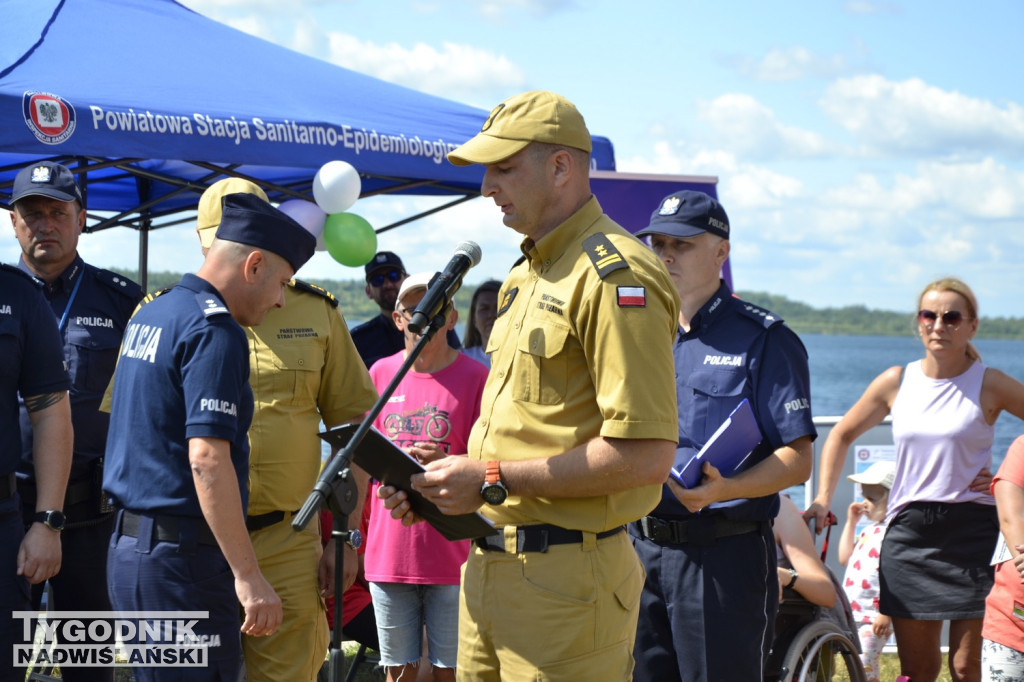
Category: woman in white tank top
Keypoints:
(942, 520)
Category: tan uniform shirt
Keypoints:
(303, 367)
(581, 348)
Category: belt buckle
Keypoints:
(656, 529)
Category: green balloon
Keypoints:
(350, 239)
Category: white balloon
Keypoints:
(305, 213)
(336, 186)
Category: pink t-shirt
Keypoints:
(1004, 606)
(438, 407)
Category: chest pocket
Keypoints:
(9, 350)
(542, 363)
(92, 355)
(295, 371)
(715, 393)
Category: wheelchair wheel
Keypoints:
(819, 653)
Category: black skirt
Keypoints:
(935, 561)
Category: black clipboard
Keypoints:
(392, 466)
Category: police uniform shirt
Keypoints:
(303, 367)
(183, 373)
(736, 350)
(94, 306)
(31, 361)
(581, 348)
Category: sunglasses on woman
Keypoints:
(951, 318)
(390, 275)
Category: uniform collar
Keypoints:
(712, 308)
(64, 282)
(552, 245)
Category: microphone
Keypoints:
(444, 285)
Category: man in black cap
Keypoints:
(708, 606)
(380, 338)
(177, 455)
(92, 307)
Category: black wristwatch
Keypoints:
(794, 575)
(493, 490)
(51, 518)
(355, 539)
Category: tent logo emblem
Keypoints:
(51, 118)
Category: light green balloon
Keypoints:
(350, 239)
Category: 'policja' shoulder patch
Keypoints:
(605, 257)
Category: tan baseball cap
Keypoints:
(535, 116)
(208, 215)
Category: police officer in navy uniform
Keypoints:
(32, 364)
(379, 337)
(92, 307)
(178, 453)
(709, 602)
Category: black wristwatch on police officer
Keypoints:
(51, 518)
(493, 490)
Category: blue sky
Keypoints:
(863, 147)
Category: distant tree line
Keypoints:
(802, 318)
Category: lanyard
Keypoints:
(71, 299)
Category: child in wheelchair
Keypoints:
(811, 600)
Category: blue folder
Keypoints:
(727, 449)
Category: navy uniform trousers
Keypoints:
(707, 611)
(147, 574)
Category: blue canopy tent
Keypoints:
(150, 102)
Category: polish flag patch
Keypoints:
(632, 297)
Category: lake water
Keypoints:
(843, 366)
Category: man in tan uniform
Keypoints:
(578, 425)
(303, 368)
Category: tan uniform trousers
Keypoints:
(290, 563)
(566, 614)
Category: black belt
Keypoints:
(698, 531)
(539, 538)
(261, 521)
(8, 486)
(167, 528)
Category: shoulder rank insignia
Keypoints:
(759, 314)
(119, 283)
(210, 305)
(605, 257)
(300, 285)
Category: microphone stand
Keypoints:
(337, 489)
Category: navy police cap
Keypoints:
(687, 214)
(383, 259)
(248, 219)
(46, 179)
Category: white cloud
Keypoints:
(791, 64)
(451, 70)
(912, 117)
(870, 7)
(745, 126)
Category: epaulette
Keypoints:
(210, 305)
(763, 317)
(119, 283)
(299, 285)
(603, 254)
(148, 298)
(10, 268)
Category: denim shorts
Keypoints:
(402, 610)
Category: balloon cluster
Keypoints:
(349, 238)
